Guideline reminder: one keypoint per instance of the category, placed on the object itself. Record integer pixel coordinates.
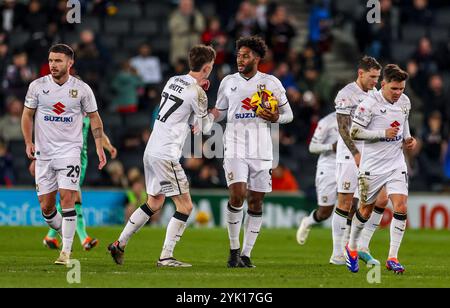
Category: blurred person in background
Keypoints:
(244, 23)
(434, 147)
(280, 33)
(115, 175)
(147, 66)
(18, 75)
(12, 14)
(186, 25)
(283, 179)
(6, 166)
(10, 127)
(125, 86)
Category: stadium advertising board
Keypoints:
(20, 207)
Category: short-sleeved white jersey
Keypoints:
(246, 135)
(59, 115)
(326, 133)
(376, 113)
(181, 99)
(347, 99)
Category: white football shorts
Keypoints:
(257, 173)
(396, 182)
(326, 187)
(58, 173)
(164, 177)
(346, 177)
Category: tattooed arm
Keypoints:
(97, 132)
(344, 123)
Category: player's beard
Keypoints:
(248, 68)
(61, 73)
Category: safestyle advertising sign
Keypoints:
(281, 210)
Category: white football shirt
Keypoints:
(347, 99)
(59, 115)
(181, 98)
(246, 135)
(376, 113)
(326, 133)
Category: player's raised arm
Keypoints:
(27, 131)
(97, 132)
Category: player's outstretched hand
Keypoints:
(102, 158)
(269, 116)
(410, 143)
(392, 132)
(30, 151)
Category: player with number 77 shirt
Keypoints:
(183, 100)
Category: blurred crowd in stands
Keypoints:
(126, 50)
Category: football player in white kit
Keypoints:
(248, 145)
(348, 157)
(183, 101)
(323, 142)
(56, 105)
(382, 122)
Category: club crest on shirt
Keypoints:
(404, 109)
(73, 93)
(230, 176)
(346, 186)
(261, 87)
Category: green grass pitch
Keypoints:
(280, 261)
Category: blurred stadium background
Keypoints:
(126, 50)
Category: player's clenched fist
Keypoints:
(392, 132)
(410, 143)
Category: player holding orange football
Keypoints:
(247, 142)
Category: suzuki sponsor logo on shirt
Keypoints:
(246, 104)
(58, 108)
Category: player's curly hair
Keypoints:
(392, 72)
(255, 43)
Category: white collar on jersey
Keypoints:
(60, 85)
(247, 79)
(384, 99)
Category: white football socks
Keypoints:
(137, 220)
(54, 220)
(234, 218)
(398, 226)
(251, 231)
(358, 223)
(369, 228)
(338, 223)
(175, 229)
(69, 226)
